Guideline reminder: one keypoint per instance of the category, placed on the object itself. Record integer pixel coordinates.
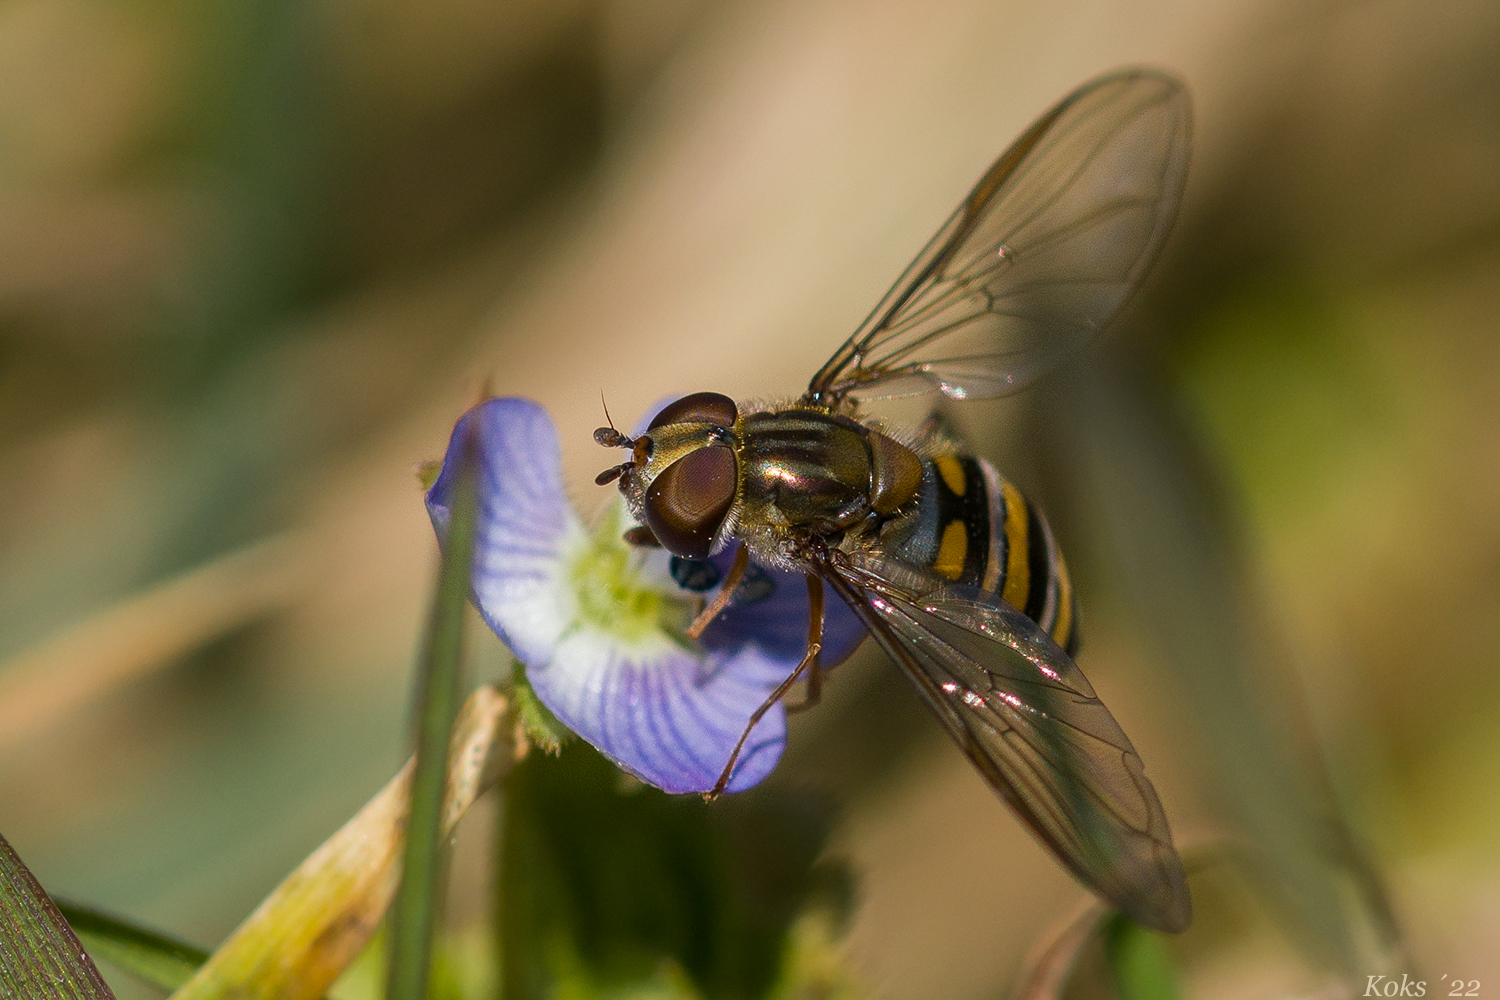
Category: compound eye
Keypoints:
(687, 502)
(699, 408)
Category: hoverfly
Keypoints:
(955, 575)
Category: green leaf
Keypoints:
(418, 904)
(428, 472)
(542, 727)
(40, 957)
(605, 889)
(1143, 968)
(148, 955)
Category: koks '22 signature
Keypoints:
(1388, 986)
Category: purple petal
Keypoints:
(778, 623)
(524, 522)
(665, 715)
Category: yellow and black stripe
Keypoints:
(974, 527)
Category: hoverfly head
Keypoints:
(682, 477)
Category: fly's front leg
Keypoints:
(815, 619)
(726, 593)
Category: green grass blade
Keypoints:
(150, 956)
(418, 903)
(1142, 966)
(40, 957)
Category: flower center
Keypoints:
(614, 595)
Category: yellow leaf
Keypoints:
(301, 938)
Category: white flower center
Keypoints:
(617, 594)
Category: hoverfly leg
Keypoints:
(938, 433)
(780, 692)
(814, 691)
(726, 593)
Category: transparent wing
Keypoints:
(1028, 719)
(1039, 256)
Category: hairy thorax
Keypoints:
(806, 473)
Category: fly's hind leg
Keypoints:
(814, 692)
(937, 435)
(809, 660)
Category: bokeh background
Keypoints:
(256, 258)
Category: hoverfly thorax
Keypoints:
(682, 478)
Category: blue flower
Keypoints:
(599, 625)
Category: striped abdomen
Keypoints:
(973, 527)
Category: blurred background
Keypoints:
(255, 259)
